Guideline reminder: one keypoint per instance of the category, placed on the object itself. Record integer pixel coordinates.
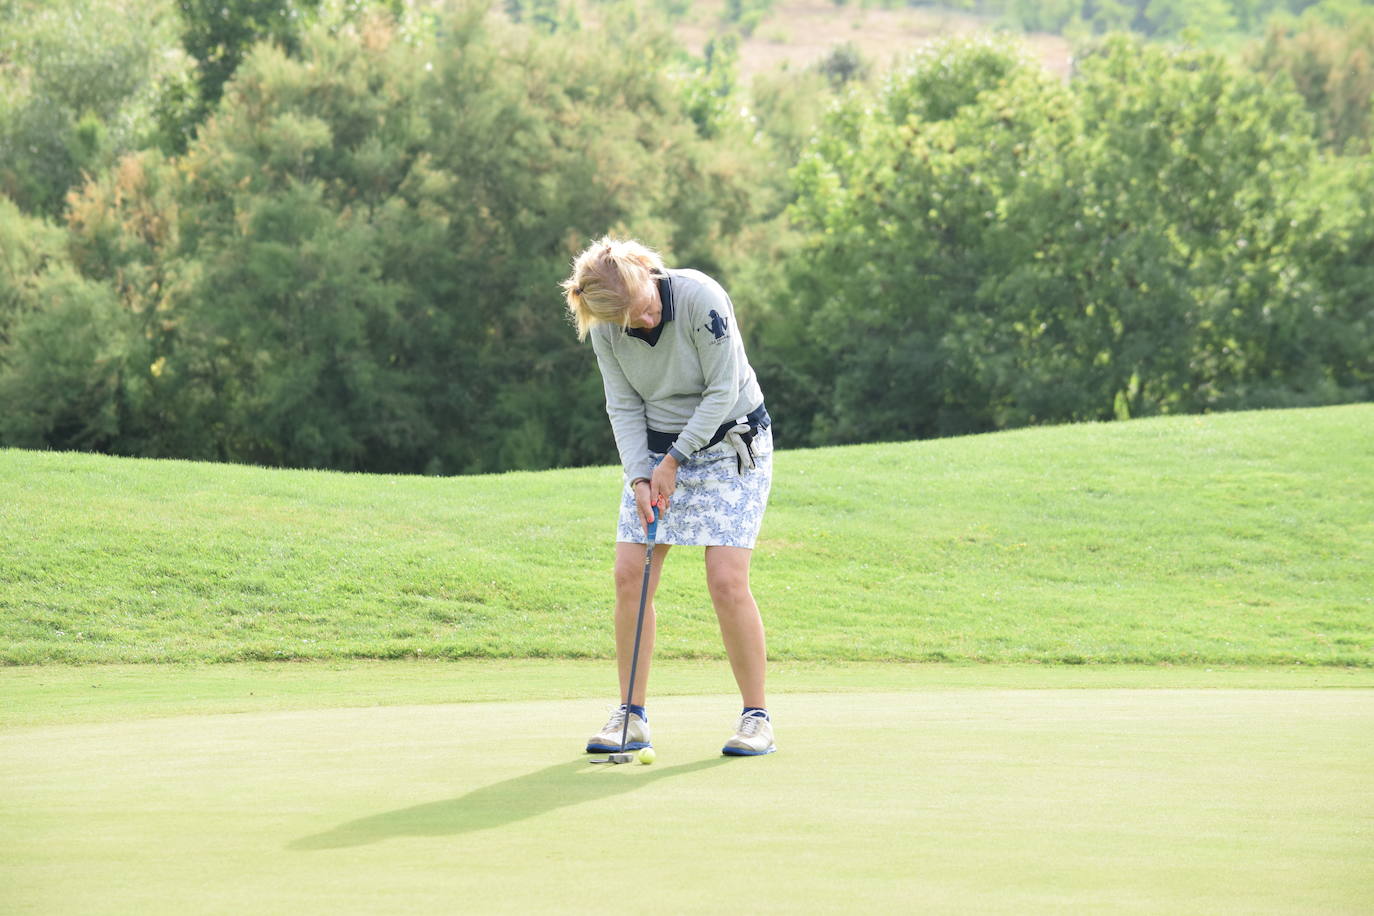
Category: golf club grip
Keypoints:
(653, 526)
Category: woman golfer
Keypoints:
(694, 439)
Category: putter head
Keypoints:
(617, 758)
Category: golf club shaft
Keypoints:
(639, 628)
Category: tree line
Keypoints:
(339, 245)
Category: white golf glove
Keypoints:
(745, 459)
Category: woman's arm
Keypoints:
(626, 410)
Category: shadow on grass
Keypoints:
(502, 803)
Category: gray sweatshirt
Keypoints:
(687, 376)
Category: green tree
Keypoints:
(987, 247)
(1331, 63)
(79, 83)
(1330, 349)
(68, 353)
(709, 86)
(218, 33)
(1181, 207)
(355, 263)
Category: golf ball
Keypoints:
(647, 755)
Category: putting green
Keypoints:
(1199, 800)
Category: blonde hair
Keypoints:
(604, 279)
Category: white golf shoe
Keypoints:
(753, 737)
(607, 740)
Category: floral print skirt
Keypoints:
(714, 505)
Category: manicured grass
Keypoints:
(74, 694)
(1198, 798)
(1229, 539)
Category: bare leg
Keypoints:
(741, 626)
(629, 581)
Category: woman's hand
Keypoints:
(661, 487)
(644, 502)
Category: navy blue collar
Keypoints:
(665, 295)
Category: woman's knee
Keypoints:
(629, 568)
(628, 575)
(728, 582)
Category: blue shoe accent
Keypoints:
(741, 752)
(615, 748)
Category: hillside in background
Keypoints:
(1227, 539)
(799, 34)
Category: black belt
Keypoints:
(757, 419)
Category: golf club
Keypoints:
(623, 756)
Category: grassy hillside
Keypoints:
(1227, 539)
